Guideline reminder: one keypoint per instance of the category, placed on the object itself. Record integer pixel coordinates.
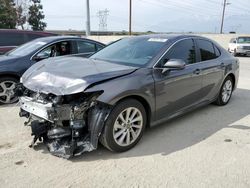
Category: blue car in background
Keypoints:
(14, 63)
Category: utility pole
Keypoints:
(87, 18)
(223, 14)
(130, 16)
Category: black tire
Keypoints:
(235, 53)
(219, 101)
(107, 138)
(6, 80)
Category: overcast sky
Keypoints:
(150, 15)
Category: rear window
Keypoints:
(11, 39)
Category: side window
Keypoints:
(57, 49)
(184, 50)
(206, 49)
(85, 47)
(45, 53)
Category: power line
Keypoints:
(103, 14)
(172, 5)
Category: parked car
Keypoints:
(14, 63)
(11, 38)
(73, 103)
(239, 46)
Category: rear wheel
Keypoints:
(7, 86)
(124, 126)
(225, 92)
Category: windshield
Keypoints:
(26, 48)
(244, 40)
(131, 51)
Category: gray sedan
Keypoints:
(73, 103)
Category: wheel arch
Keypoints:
(145, 104)
(232, 76)
(10, 75)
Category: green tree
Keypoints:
(36, 16)
(22, 7)
(8, 14)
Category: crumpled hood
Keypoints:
(68, 75)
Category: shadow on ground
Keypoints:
(8, 106)
(181, 132)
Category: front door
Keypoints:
(56, 49)
(176, 90)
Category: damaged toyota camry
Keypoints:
(74, 103)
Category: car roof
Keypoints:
(57, 38)
(171, 36)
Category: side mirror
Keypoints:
(40, 57)
(174, 64)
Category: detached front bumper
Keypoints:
(66, 129)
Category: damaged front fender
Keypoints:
(97, 118)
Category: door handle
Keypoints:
(197, 71)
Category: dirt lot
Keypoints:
(209, 147)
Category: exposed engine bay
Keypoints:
(68, 124)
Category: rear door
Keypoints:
(177, 89)
(212, 68)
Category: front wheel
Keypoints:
(7, 86)
(124, 126)
(225, 92)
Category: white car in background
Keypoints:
(239, 45)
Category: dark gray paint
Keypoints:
(167, 93)
(68, 75)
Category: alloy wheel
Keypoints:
(128, 126)
(7, 94)
(227, 91)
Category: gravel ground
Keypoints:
(209, 147)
